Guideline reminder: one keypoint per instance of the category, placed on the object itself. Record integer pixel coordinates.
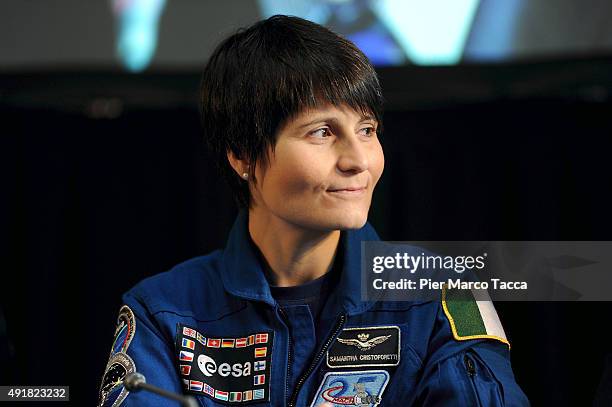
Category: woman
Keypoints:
(293, 113)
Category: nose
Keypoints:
(353, 155)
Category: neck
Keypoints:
(293, 255)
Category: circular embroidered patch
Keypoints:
(112, 392)
(126, 327)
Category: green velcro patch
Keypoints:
(471, 319)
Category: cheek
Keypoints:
(295, 176)
(377, 162)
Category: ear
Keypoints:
(240, 166)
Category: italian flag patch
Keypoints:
(471, 319)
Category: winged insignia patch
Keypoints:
(365, 346)
(363, 343)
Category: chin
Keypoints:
(350, 220)
(327, 219)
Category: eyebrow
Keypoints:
(334, 120)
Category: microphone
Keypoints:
(136, 382)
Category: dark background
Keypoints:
(106, 181)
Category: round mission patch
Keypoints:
(112, 392)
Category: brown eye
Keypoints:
(320, 133)
(370, 131)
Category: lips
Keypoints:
(348, 189)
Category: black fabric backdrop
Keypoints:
(94, 202)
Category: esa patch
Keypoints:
(365, 346)
(363, 388)
(112, 392)
(126, 327)
(226, 369)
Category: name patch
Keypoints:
(365, 346)
(226, 369)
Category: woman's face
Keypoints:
(321, 176)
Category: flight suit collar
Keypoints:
(244, 275)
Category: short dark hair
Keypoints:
(263, 75)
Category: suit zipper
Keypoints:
(315, 361)
(471, 371)
(289, 354)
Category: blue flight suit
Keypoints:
(211, 328)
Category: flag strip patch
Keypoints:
(230, 370)
(471, 319)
